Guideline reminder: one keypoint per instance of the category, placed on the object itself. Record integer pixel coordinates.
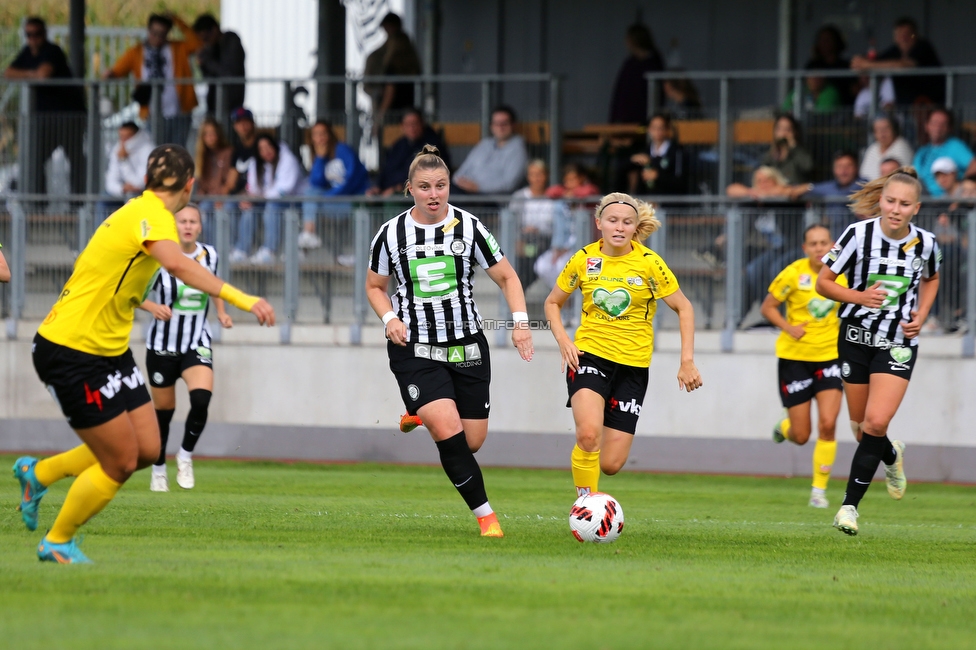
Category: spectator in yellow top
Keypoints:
(160, 58)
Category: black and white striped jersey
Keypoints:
(866, 256)
(188, 328)
(433, 266)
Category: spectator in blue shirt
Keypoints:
(336, 171)
(396, 167)
(845, 182)
(938, 126)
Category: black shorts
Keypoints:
(459, 371)
(859, 361)
(622, 388)
(164, 368)
(799, 381)
(91, 390)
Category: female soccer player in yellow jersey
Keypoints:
(607, 364)
(81, 352)
(807, 351)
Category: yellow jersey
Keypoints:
(111, 278)
(796, 287)
(619, 301)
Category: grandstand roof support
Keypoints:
(77, 38)
(784, 58)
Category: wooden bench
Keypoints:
(593, 137)
(468, 134)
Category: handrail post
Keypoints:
(485, 109)
(724, 140)
(360, 306)
(555, 133)
(798, 98)
(873, 105)
(733, 276)
(507, 219)
(18, 264)
(291, 274)
(950, 90)
(969, 340)
(156, 114)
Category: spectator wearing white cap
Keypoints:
(946, 174)
(938, 127)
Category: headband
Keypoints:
(628, 203)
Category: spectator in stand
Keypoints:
(844, 183)
(58, 111)
(536, 214)
(889, 166)
(497, 164)
(818, 96)
(242, 121)
(660, 168)
(396, 57)
(4, 269)
(827, 54)
(948, 304)
(908, 51)
(886, 96)
(220, 55)
(629, 103)
(938, 128)
(126, 173)
(786, 154)
(768, 183)
(336, 171)
(396, 166)
(576, 184)
(888, 143)
(160, 58)
(681, 99)
(274, 174)
(215, 173)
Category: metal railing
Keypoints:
(724, 253)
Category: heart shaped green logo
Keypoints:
(901, 354)
(820, 307)
(613, 302)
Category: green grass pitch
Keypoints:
(267, 555)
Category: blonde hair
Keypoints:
(428, 158)
(866, 200)
(772, 172)
(646, 221)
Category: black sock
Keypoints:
(163, 416)
(463, 470)
(866, 460)
(889, 456)
(196, 419)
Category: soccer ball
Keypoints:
(596, 517)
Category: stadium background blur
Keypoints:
(317, 387)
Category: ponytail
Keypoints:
(428, 158)
(866, 200)
(646, 221)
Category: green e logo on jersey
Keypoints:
(189, 299)
(433, 276)
(492, 243)
(895, 285)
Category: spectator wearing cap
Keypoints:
(221, 55)
(948, 305)
(938, 127)
(888, 143)
(845, 182)
(126, 173)
(909, 50)
(59, 111)
(497, 164)
(160, 58)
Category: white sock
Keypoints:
(817, 492)
(482, 511)
(159, 470)
(183, 454)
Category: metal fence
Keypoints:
(724, 254)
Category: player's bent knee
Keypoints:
(611, 467)
(588, 439)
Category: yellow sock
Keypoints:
(824, 454)
(784, 427)
(586, 470)
(90, 492)
(71, 463)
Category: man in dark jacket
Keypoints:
(416, 134)
(222, 55)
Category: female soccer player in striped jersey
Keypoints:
(437, 349)
(81, 353)
(179, 344)
(807, 351)
(607, 365)
(892, 267)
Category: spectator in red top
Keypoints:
(576, 184)
(629, 103)
(909, 51)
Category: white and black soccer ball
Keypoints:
(596, 517)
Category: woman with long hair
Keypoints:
(214, 163)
